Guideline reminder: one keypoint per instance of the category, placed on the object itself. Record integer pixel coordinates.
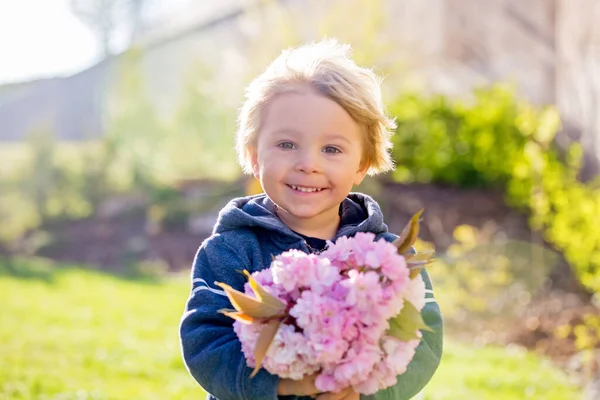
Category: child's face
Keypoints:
(308, 156)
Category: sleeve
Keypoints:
(211, 350)
(427, 356)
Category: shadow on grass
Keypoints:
(37, 269)
(46, 270)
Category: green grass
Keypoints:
(76, 334)
(497, 373)
(68, 333)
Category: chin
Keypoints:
(302, 214)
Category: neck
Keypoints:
(322, 227)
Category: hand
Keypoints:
(346, 394)
(303, 387)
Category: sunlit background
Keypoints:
(117, 120)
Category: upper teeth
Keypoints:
(305, 189)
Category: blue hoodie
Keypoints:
(247, 235)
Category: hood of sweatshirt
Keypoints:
(359, 213)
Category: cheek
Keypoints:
(343, 177)
(273, 165)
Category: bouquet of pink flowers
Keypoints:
(350, 314)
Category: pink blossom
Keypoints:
(391, 306)
(399, 353)
(379, 253)
(338, 291)
(307, 308)
(325, 275)
(338, 251)
(326, 383)
(295, 269)
(372, 332)
(264, 277)
(248, 335)
(328, 349)
(394, 267)
(364, 289)
(381, 376)
(350, 330)
(415, 293)
(358, 362)
(340, 304)
(289, 353)
(363, 242)
(368, 386)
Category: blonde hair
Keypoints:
(326, 68)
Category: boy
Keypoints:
(312, 126)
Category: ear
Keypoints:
(361, 173)
(253, 156)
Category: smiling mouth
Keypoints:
(305, 189)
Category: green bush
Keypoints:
(497, 141)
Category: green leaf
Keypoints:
(404, 326)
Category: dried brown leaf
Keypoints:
(264, 341)
(249, 305)
(263, 295)
(409, 234)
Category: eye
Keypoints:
(286, 145)
(331, 150)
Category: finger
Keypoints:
(352, 396)
(335, 396)
(349, 395)
(308, 383)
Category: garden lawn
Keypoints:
(497, 373)
(70, 333)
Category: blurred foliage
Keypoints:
(496, 141)
(370, 35)
(485, 284)
(586, 336)
(44, 184)
(484, 278)
(201, 134)
(196, 141)
(142, 154)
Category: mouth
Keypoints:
(305, 189)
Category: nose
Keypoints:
(308, 162)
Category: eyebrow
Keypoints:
(297, 132)
(287, 130)
(340, 137)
